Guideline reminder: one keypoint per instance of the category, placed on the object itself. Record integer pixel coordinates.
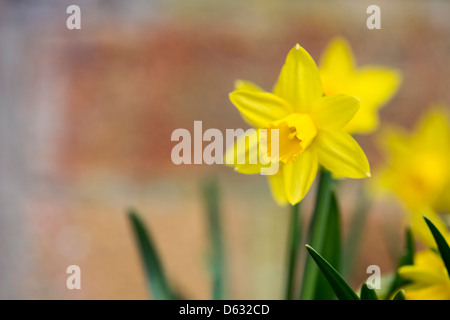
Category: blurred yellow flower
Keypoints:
(310, 127)
(417, 169)
(420, 228)
(428, 276)
(373, 85)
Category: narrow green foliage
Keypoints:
(368, 293)
(317, 234)
(406, 259)
(331, 250)
(295, 235)
(155, 274)
(400, 295)
(340, 287)
(211, 198)
(441, 243)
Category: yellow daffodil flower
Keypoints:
(310, 127)
(417, 169)
(428, 276)
(373, 85)
(420, 228)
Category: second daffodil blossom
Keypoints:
(428, 278)
(417, 169)
(310, 127)
(374, 85)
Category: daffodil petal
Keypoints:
(338, 152)
(433, 130)
(276, 183)
(337, 57)
(299, 81)
(434, 292)
(335, 111)
(393, 140)
(421, 277)
(299, 176)
(375, 85)
(430, 260)
(246, 86)
(260, 108)
(365, 121)
(246, 148)
(420, 228)
(428, 276)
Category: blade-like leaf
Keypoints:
(317, 234)
(400, 295)
(340, 287)
(442, 245)
(211, 196)
(356, 229)
(368, 293)
(406, 259)
(331, 250)
(410, 248)
(155, 273)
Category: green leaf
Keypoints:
(400, 295)
(406, 259)
(386, 280)
(155, 273)
(211, 197)
(331, 250)
(295, 235)
(356, 229)
(340, 287)
(441, 243)
(317, 234)
(368, 293)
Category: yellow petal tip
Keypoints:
(297, 46)
(238, 83)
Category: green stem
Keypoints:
(317, 234)
(295, 231)
(355, 232)
(211, 194)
